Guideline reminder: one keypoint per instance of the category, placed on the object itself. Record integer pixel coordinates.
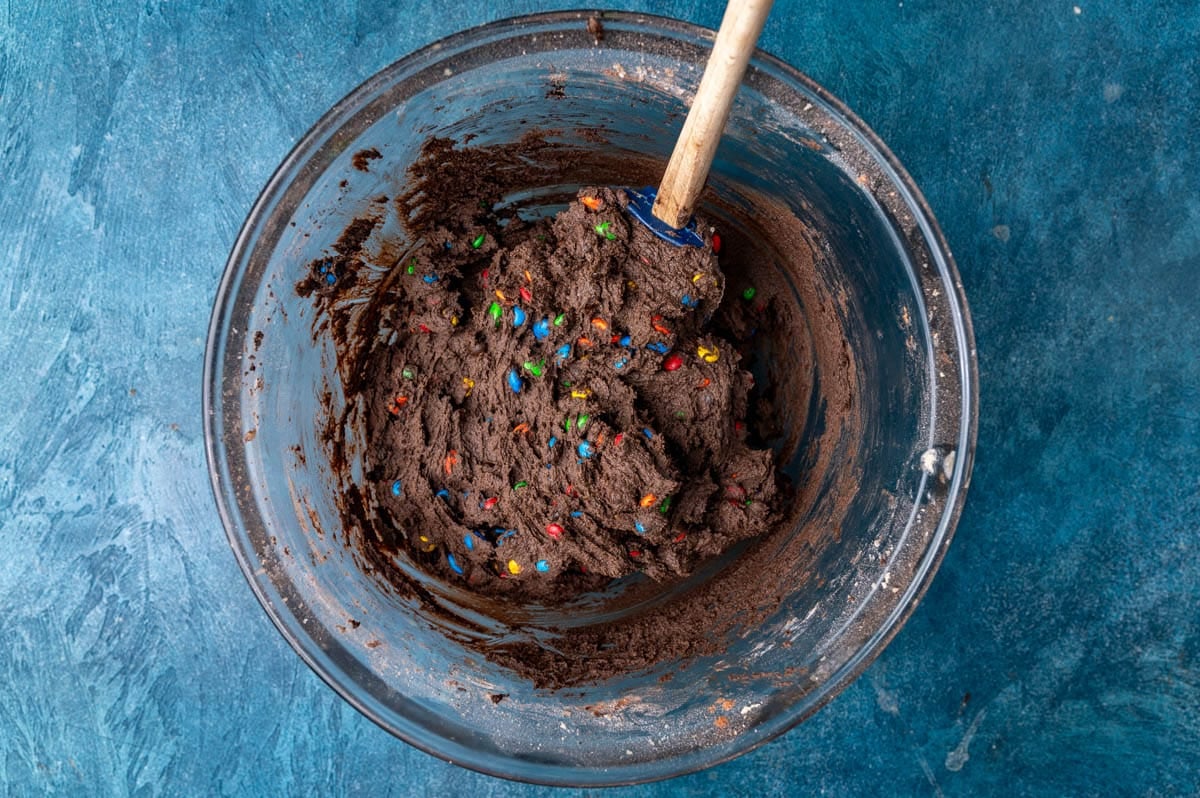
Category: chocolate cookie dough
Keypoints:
(551, 409)
(427, 445)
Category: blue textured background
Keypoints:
(1058, 651)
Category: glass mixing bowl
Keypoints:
(879, 494)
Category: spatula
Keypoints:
(668, 211)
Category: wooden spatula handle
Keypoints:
(693, 155)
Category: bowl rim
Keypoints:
(226, 494)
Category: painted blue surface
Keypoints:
(1057, 145)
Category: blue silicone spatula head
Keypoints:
(641, 206)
